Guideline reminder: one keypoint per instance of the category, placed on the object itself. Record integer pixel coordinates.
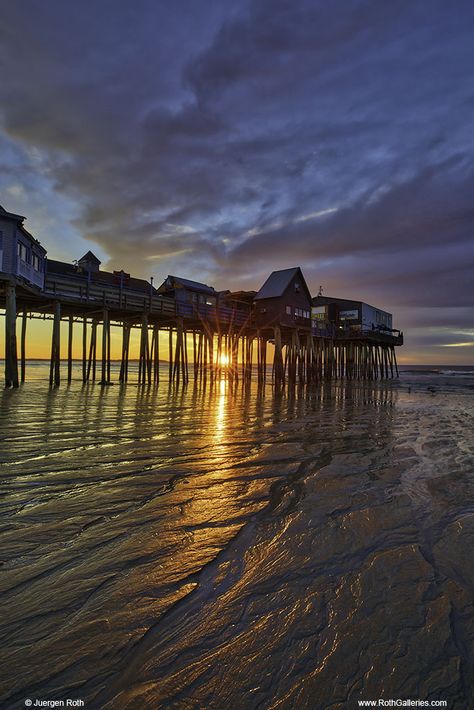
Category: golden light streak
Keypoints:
(223, 360)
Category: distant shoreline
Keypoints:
(428, 367)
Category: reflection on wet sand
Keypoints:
(222, 546)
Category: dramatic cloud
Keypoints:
(225, 139)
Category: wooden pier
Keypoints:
(203, 342)
(281, 329)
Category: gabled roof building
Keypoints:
(284, 300)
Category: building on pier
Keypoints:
(187, 291)
(348, 316)
(22, 256)
(284, 300)
(85, 279)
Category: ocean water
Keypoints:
(224, 547)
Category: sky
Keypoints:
(220, 140)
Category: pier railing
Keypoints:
(116, 298)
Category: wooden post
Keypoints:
(195, 360)
(148, 353)
(69, 350)
(54, 370)
(122, 358)
(170, 355)
(127, 351)
(144, 373)
(94, 349)
(23, 345)
(259, 358)
(156, 354)
(185, 362)
(11, 358)
(105, 333)
(91, 365)
(84, 349)
(219, 355)
(199, 356)
(278, 358)
(206, 346)
(264, 359)
(384, 362)
(178, 350)
(211, 355)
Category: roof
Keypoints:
(325, 300)
(11, 215)
(19, 219)
(177, 281)
(60, 267)
(89, 256)
(278, 281)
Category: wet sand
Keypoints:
(214, 549)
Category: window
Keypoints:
(22, 251)
(288, 310)
(297, 287)
(36, 262)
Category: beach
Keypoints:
(220, 546)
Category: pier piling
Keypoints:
(11, 357)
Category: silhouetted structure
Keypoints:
(223, 328)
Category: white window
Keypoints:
(288, 310)
(36, 262)
(297, 287)
(22, 251)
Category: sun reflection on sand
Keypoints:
(220, 411)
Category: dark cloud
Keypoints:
(227, 139)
